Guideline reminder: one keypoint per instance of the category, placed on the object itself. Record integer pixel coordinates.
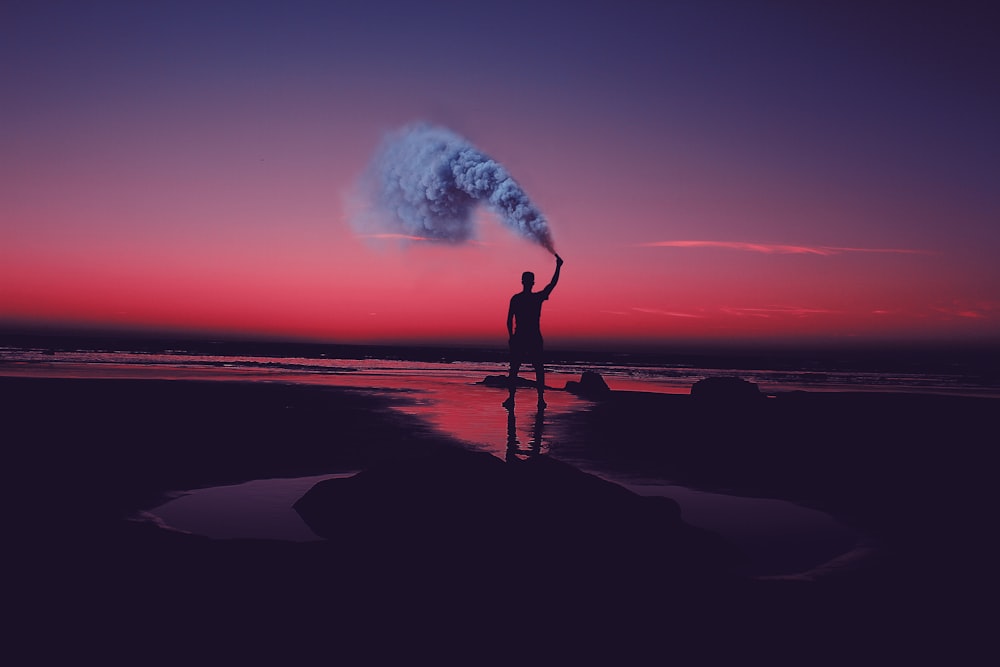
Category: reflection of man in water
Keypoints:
(514, 451)
(525, 333)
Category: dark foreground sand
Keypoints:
(83, 455)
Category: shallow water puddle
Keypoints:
(777, 536)
(259, 509)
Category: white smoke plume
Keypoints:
(425, 181)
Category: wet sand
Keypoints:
(83, 455)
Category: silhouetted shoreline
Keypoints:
(979, 357)
(967, 368)
(85, 454)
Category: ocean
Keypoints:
(971, 370)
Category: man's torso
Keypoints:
(527, 309)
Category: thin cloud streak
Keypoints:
(771, 311)
(780, 249)
(667, 313)
(766, 311)
(981, 310)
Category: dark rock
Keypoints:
(591, 385)
(436, 508)
(503, 381)
(726, 389)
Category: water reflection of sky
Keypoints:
(472, 413)
(259, 509)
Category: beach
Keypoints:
(87, 456)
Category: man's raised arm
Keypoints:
(555, 277)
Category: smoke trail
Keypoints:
(426, 181)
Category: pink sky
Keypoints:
(189, 171)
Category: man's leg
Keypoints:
(540, 382)
(515, 367)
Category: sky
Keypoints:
(709, 171)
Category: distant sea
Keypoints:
(972, 370)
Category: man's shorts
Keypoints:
(526, 349)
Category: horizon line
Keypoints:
(560, 344)
(781, 249)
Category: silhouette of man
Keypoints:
(524, 330)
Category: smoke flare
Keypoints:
(426, 181)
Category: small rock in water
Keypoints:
(725, 389)
(591, 385)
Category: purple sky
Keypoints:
(709, 169)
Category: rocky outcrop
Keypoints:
(591, 385)
(448, 505)
(726, 389)
(503, 381)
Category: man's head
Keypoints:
(528, 279)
